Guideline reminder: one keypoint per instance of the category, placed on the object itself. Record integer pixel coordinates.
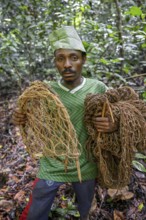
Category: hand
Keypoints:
(104, 124)
(18, 118)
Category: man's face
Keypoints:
(69, 63)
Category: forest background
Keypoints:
(114, 35)
(113, 32)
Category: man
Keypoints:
(72, 88)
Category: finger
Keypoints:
(18, 114)
(103, 129)
(18, 122)
(16, 118)
(105, 125)
(100, 119)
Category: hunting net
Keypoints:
(48, 130)
(115, 151)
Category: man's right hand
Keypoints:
(18, 118)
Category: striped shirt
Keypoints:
(73, 100)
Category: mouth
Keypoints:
(68, 76)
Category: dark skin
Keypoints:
(69, 63)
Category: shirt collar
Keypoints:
(72, 90)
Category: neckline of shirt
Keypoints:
(72, 90)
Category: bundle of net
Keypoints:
(48, 130)
(114, 152)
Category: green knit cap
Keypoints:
(66, 38)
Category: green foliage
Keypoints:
(144, 95)
(64, 208)
(138, 165)
(134, 11)
(140, 207)
(140, 156)
(115, 51)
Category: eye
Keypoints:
(59, 59)
(74, 58)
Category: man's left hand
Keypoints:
(104, 124)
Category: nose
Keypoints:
(67, 64)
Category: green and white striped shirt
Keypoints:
(73, 100)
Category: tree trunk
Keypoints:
(119, 27)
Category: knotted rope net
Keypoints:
(48, 130)
(115, 151)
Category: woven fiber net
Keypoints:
(48, 130)
(115, 151)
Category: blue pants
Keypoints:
(43, 195)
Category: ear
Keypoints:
(84, 59)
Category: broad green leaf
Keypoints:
(144, 95)
(109, 26)
(140, 207)
(104, 61)
(24, 7)
(61, 211)
(144, 27)
(63, 198)
(139, 166)
(143, 45)
(74, 213)
(134, 11)
(140, 156)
